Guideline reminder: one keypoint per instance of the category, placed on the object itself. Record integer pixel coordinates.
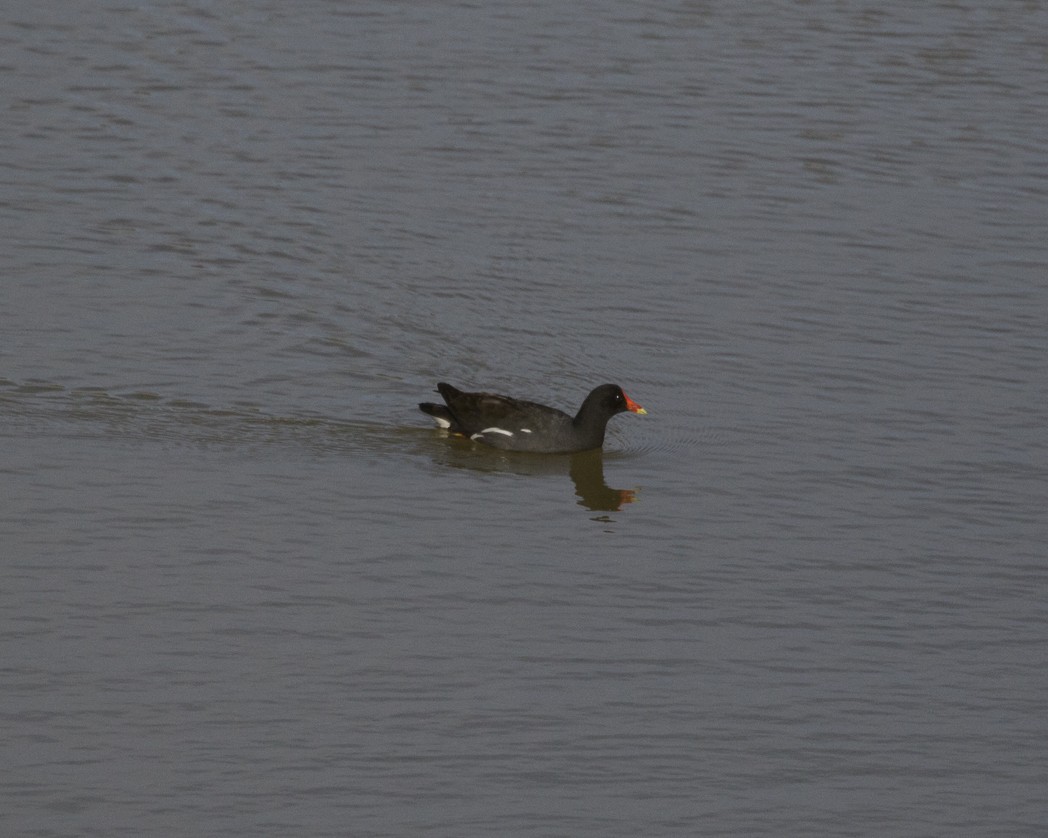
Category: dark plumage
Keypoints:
(518, 425)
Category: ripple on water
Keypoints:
(148, 415)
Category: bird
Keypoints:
(518, 425)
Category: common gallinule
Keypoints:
(517, 425)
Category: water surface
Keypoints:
(246, 588)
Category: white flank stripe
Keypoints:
(525, 430)
(495, 431)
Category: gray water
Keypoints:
(247, 590)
